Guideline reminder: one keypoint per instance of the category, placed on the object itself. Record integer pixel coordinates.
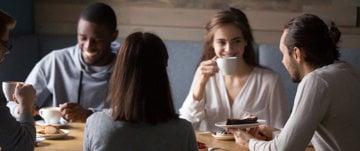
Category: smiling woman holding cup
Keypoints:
(248, 89)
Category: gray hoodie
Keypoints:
(62, 76)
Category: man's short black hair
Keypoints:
(100, 13)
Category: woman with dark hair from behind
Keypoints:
(142, 114)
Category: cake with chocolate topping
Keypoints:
(247, 120)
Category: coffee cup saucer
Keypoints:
(62, 122)
(39, 139)
(61, 134)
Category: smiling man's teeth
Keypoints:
(89, 53)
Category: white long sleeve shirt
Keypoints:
(326, 110)
(262, 95)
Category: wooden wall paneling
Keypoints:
(56, 28)
(185, 23)
(57, 12)
(56, 18)
(167, 17)
(342, 16)
(268, 20)
(267, 37)
(169, 33)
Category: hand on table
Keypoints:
(73, 112)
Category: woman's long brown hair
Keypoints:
(139, 87)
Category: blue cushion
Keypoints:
(270, 56)
(351, 56)
(184, 57)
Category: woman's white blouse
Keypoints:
(263, 95)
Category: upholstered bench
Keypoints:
(183, 59)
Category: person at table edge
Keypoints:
(15, 135)
(326, 106)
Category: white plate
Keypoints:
(224, 137)
(42, 123)
(62, 133)
(39, 139)
(224, 126)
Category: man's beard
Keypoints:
(296, 77)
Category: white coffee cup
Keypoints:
(51, 115)
(227, 65)
(8, 88)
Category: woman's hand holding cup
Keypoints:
(24, 96)
(208, 68)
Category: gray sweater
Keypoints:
(62, 76)
(14, 135)
(103, 133)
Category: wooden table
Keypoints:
(72, 142)
(224, 145)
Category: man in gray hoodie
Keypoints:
(76, 78)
